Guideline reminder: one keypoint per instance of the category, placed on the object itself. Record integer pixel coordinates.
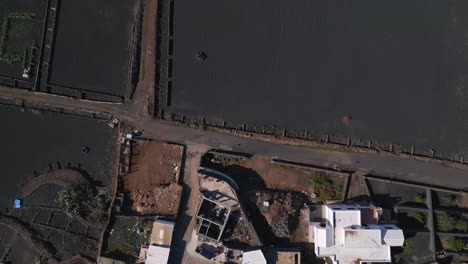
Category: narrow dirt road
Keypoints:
(142, 101)
(435, 173)
(188, 205)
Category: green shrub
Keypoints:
(10, 60)
(324, 187)
(408, 249)
(420, 218)
(82, 201)
(451, 200)
(461, 225)
(5, 33)
(445, 222)
(26, 59)
(41, 260)
(456, 244)
(421, 198)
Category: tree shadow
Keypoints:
(246, 178)
(385, 200)
(363, 200)
(409, 222)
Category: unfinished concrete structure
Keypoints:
(212, 217)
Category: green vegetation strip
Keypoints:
(4, 37)
(328, 147)
(408, 249)
(324, 187)
(456, 243)
(446, 222)
(21, 15)
(6, 25)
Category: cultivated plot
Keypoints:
(39, 141)
(47, 159)
(93, 47)
(20, 39)
(392, 72)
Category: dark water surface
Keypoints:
(397, 68)
(33, 141)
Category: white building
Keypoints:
(253, 257)
(160, 243)
(350, 234)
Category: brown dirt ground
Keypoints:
(274, 175)
(152, 184)
(464, 201)
(284, 177)
(154, 164)
(161, 200)
(444, 243)
(144, 94)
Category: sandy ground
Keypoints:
(152, 184)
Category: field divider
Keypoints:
(415, 184)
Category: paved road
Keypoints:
(402, 168)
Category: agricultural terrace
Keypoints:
(93, 48)
(20, 39)
(60, 167)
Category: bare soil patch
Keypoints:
(152, 183)
(259, 172)
(275, 175)
(161, 200)
(464, 201)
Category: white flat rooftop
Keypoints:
(157, 255)
(346, 241)
(362, 238)
(354, 255)
(253, 257)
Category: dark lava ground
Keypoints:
(33, 140)
(92, 46)
(387, 71)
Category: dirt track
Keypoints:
(63, 177)
(144, 94)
